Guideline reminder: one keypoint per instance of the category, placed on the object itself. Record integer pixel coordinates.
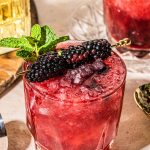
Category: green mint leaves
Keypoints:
(42, 40)
(36, 32)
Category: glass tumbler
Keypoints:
(65, 116)
(128, 19)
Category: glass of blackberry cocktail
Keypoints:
(128, 18)
(73, 89)
(79, 108)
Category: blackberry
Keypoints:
(99, 48)
(74, 55)
(47, 66)
(86, 52)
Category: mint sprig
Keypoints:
(42, 40)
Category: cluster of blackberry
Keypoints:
(47, 66)
(51, 65)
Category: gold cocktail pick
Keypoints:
(123, 42)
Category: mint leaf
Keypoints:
(50, 34)
(36, 32)
(24, 53)
(25, 44)
(32, 41)
(47, 35)
(10, 42)
(29, 56)
(62, 39)
(49, 46)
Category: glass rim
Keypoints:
(103, 96)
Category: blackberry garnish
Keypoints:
(74, 55)
(99, 48)
(86, 52)
(47, 66)
(53, 64)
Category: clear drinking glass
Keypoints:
(14, 18)
(65, 116)
(131, 19)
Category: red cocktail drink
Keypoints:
(129, 19)
(66, 114)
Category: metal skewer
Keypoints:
(123, 42)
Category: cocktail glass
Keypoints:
(62, 115)
(131, 19)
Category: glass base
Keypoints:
(40, 147)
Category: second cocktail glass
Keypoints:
(128, 19)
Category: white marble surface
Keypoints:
(12, 107)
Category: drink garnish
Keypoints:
(123, 42)
(39, 49)
(56, 63)
(47, 66)
(53, 64)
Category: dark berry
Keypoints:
(46, 67)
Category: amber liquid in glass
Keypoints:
(14, 18)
